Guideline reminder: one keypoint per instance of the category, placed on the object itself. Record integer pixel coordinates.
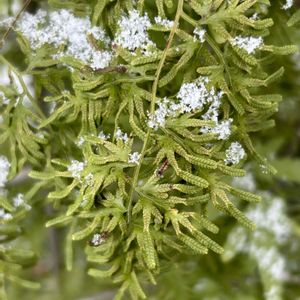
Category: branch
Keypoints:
(10, 28)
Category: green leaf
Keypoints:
(193, 179)
(207, 242)
(61, 220)
(24, 283)
(5, 204)
(193, 244)
(41, 175)
(149, 250)
(294, 19)
(63, 193)
(104, 273)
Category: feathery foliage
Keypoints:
(130, 124)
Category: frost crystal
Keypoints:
(18, 201)
(288, 4)
(97, 239)
(5, 100)
(99, 34)
(103, 136)
(100, 59)
(30, 26)
(249, 44)
(134, 158)
(4, 215)
(254, 16)
(63, 28)
(4, 170)
(213, 111)
(121, 136)
(76, 167)
(222, 129)
(133, 33)
(200, 34)
(89, 179)
(234, 154)
(80, 141)
(158, 118)
(7, 22)
(193, 96)
(163, 22)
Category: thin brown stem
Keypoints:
(152, 105)
(10, 28)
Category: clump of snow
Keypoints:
(249, 44)
(121, 135)
(132, 33)
(80, 141)
(134, 158)
(19, 201)
(103, 135)
(97, 239)
(4, 170)
(3, 98)
(76, 167)
(234, 154)
(158, 118)
(4, 215)
(7, 22)
(89, 179)
(163, 22)
(62, 27)
(222, 129)
(199, 34)
(288, 4)
(193, 97)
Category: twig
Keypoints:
(22, 83)
(152, 105)
(10, 28)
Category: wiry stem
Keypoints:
(152, 105)
(23, 85)
(10, 28)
